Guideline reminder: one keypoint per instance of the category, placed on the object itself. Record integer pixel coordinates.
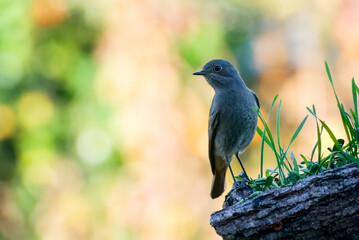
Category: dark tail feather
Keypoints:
(218, 183)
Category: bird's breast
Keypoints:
(236, 129)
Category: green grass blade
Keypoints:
(350, 129)
(355, 100)
(331, 81)
(331, 134)
(281, 172)
(289, 163)
(313, 151)
(296, 133)
(313, 113)
(269, 181)
(351, 121)
(298, 129)
(278, 123)
(353, 114)
(263, 133)
(314, 109)
(346, 123)
(281, 152)
(260, 132)
(262, 150)
(270, 136)
(351, 126)
(274, 99)
(305, 159)
(319, 136)
(296, 168)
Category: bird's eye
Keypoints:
(217, 68)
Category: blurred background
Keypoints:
(103, 128)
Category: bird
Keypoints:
(232, 120)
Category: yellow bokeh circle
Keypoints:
(7, 122)
(35, 109)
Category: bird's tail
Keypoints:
(218, 183)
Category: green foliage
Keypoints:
(287, 172)
(340, 153)
(276, 177)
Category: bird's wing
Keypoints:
(212, 132)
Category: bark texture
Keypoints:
(324, 206)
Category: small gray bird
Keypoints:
(232, 119)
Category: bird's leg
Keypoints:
(245, 174)
(229, 166)
(239, 160)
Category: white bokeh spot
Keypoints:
(93, 146)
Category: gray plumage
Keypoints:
(232, 119)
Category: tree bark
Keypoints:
(323, 206)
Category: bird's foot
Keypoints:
(240, 184)
(237, 184)
(243, 183)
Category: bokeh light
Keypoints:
(93, 146)
(34, 109)
(7, 122)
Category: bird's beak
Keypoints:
(199, 73)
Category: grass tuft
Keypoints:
(288, 171)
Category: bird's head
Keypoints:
(220, 74)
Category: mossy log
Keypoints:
(323, 206)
